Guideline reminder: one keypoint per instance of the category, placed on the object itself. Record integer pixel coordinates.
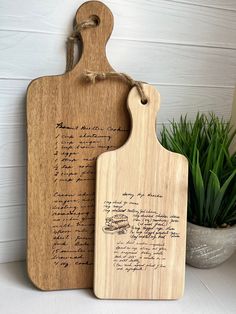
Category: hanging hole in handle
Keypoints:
(96, 19)
(144, 102)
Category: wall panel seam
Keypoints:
(201, 5)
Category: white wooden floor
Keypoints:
(207, 292)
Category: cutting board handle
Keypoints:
(94, 39)
(143, 116)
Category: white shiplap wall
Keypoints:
(186, 48)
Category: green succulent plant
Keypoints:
(212, 169)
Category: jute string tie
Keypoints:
(74, 37)
(92, 76)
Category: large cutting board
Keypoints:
(69, 123)
(141, 209)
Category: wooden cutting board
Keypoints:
(69, 123)
(141, 207)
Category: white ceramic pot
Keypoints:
(209, 247)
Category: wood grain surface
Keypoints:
(69, 123)
(209, 291)
(197, 36)
(141, 207)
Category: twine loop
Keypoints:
(92, 76)
(73, 38)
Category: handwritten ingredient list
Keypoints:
(143, 244)
(73, 207)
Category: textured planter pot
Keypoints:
(209, 247)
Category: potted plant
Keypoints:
(211, 231)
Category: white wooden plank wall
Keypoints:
(186, 48)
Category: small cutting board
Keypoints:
(69, 123)
(141, 212)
